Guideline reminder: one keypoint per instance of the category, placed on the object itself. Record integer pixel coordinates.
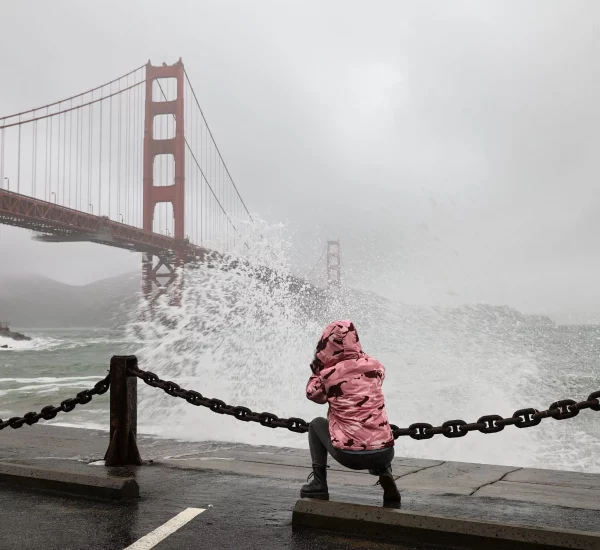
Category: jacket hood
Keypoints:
(339, 342)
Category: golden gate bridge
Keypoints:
(131, 164)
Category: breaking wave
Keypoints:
(246, 335)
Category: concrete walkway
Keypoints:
(254, 489)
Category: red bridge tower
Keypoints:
(163, 266)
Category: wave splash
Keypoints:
(248, 340)
(35, 344)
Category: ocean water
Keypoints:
(424, 383)
(249, 342)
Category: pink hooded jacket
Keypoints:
(350, 381)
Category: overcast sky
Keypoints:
(452, 146)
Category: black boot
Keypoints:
(391, 495)
(317, 488)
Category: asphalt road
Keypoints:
(240, 512)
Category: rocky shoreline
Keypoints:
(13, 336)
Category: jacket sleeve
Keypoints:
(315, 390)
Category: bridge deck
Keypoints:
(57, 223)
(61, 224)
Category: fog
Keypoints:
(451, 146)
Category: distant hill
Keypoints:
(34, 301)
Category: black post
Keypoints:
(122, 449)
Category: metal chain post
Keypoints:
(122, 449)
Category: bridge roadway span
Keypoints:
(58, 224)
(248, 494)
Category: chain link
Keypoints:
(489, 424)
(49, 412)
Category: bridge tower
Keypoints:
(160, 271)
(334, 264)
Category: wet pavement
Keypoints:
(248, 494)
(240, 512)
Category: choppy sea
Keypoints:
(429, 380)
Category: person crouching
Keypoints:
(357, 432)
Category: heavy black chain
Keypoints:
(493, 423)
(244, 414)
(489, 424)
(49, 412)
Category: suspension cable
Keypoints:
(215, 143)
(72, 97)
(49, 115)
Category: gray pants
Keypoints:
(319, 442)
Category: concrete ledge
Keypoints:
(69, 482)
(406, 526)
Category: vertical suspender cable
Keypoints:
(110, 116)
(34, 159)
(78, 160)
(100, 166)
(119, 213)
(136, 150)
(70, 151)
(130, 156)
(135, 157)
(141, 149)
(90, 156)
(64, 186)
(19, 155)
(46, 161)
(57, 195)
(49, 198)
(133, 153)
(127, 106)
(81, 151)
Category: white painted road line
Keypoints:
(162, 532)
